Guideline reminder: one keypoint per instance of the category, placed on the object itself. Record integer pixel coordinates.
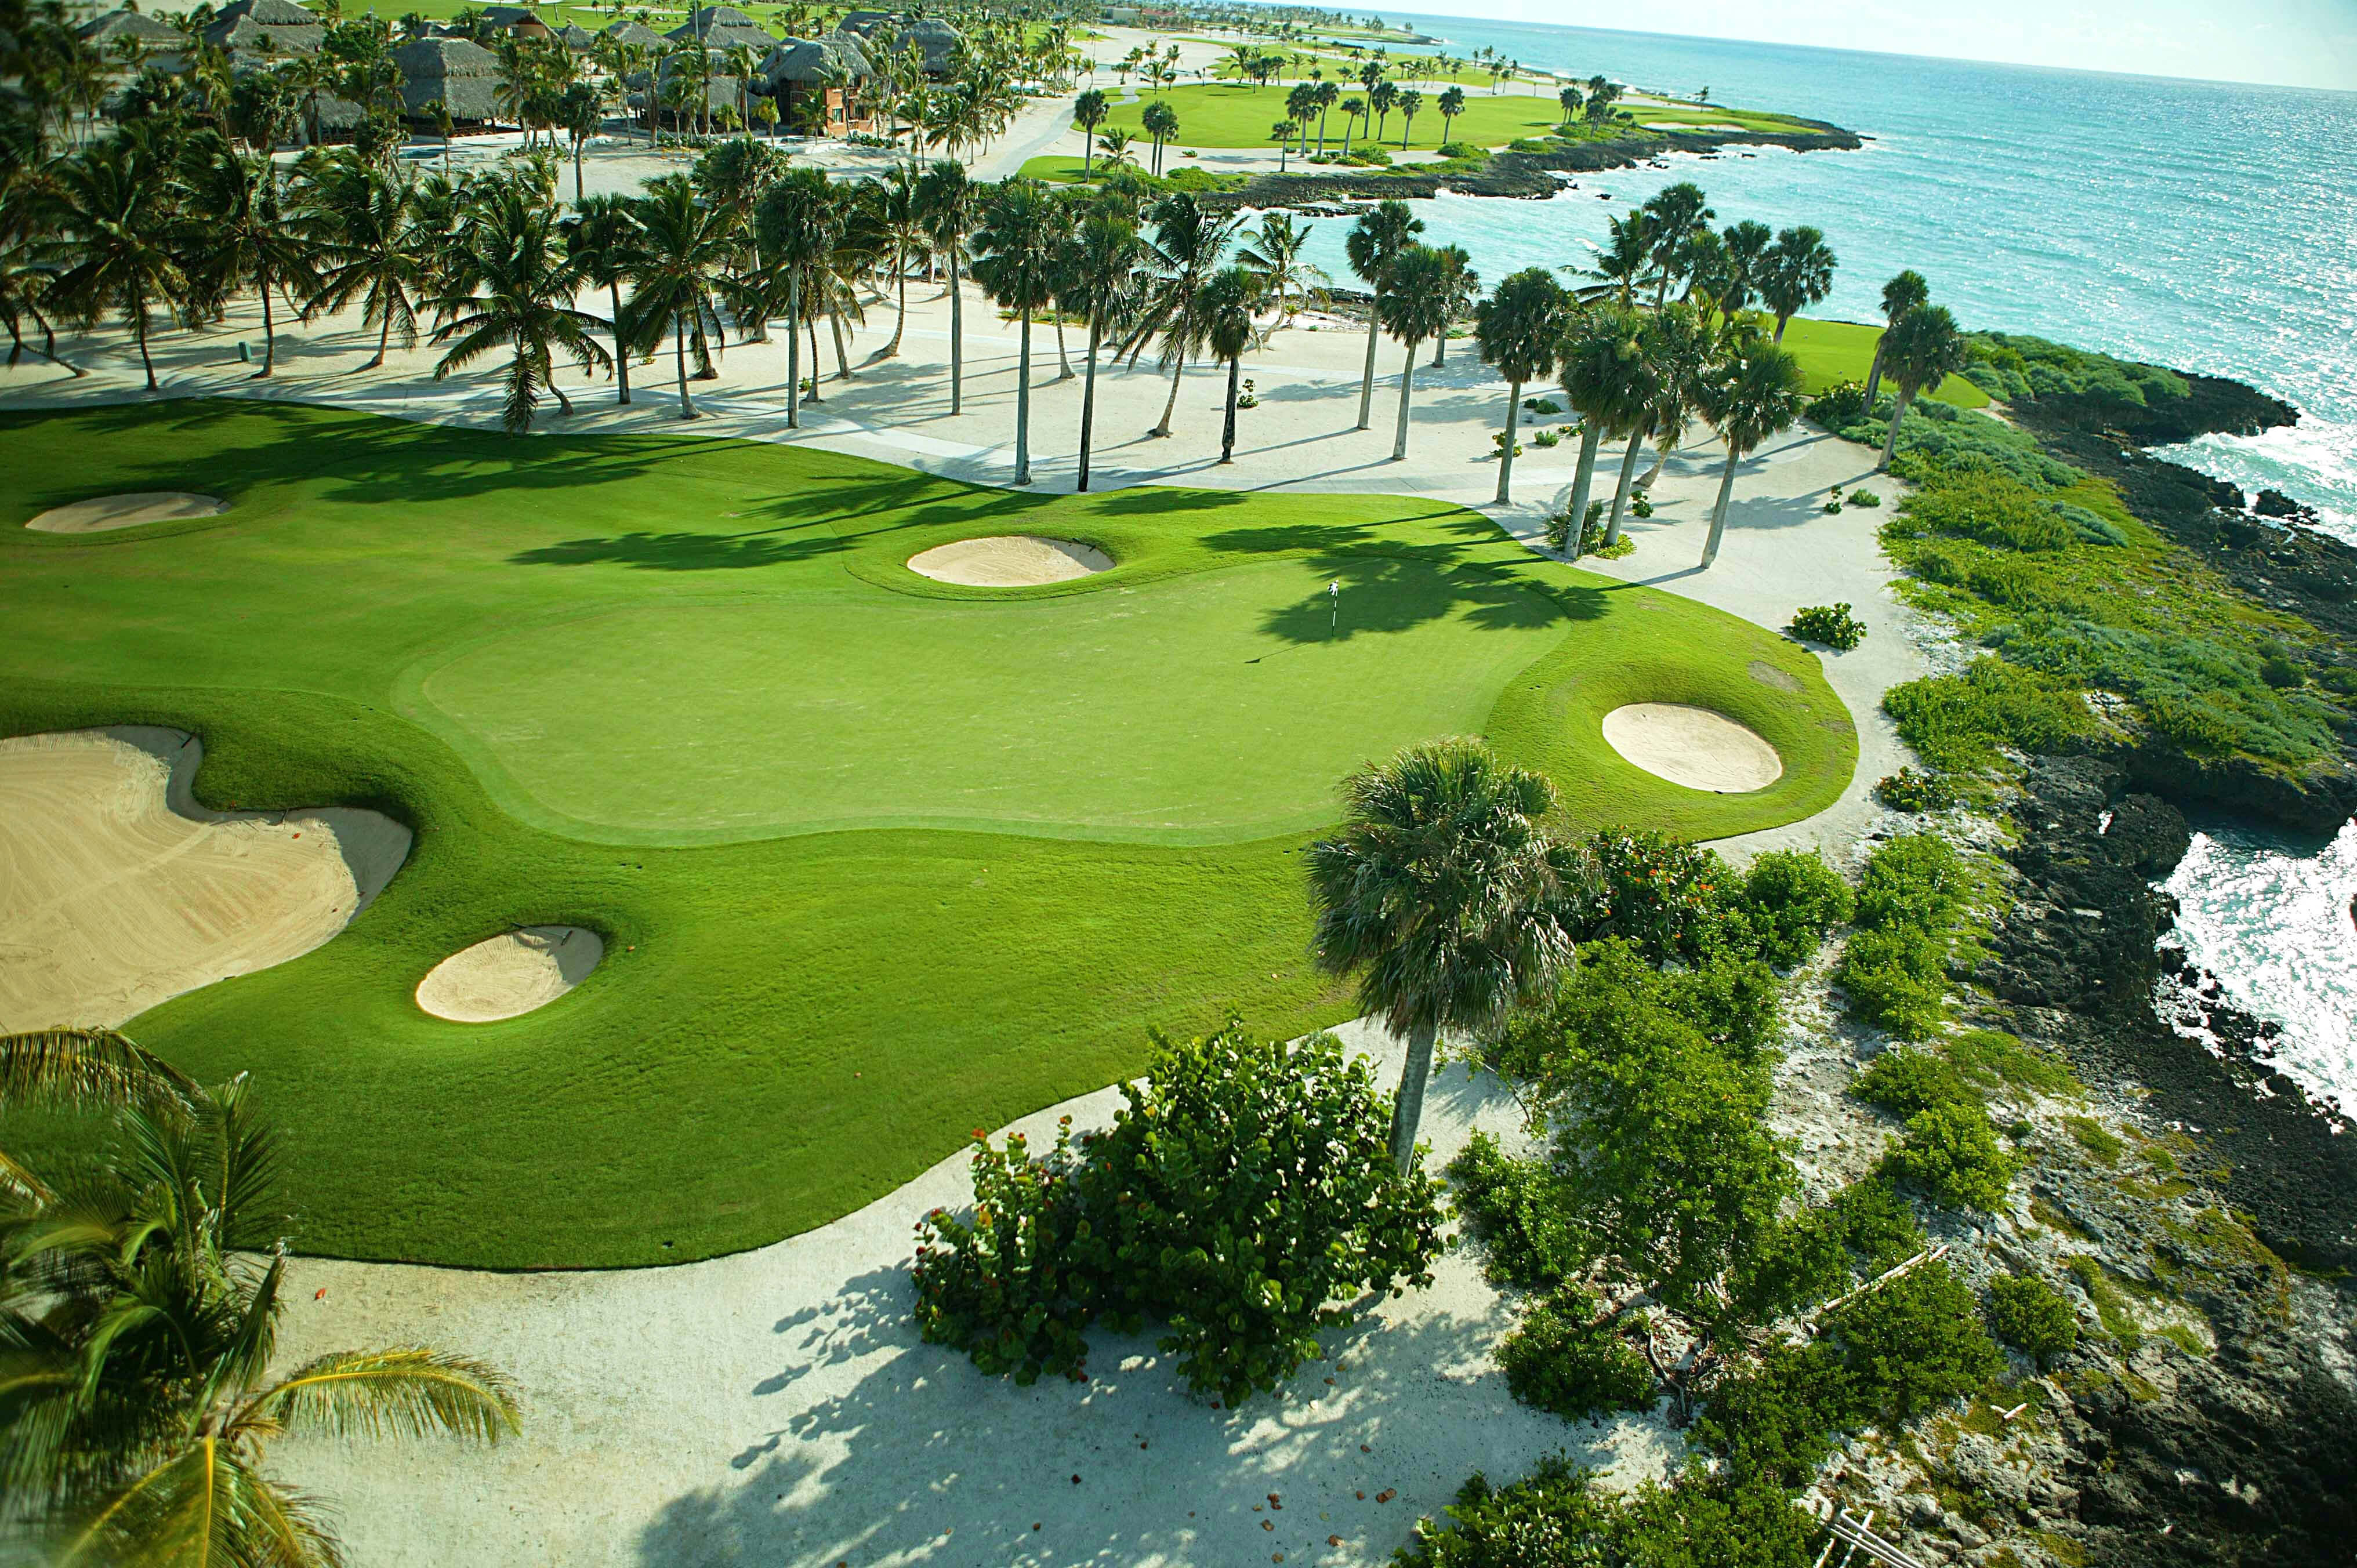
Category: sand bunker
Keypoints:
(101, 514)
(509, 974)
(1009, 561)
(1692, 746)
(118, 891)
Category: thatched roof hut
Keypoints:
(723, 27)
(631, 31)
(723, 86)
(266, 26)
(522, 20)
(577, 38)
(460, 72)
(162, 41)
(810, 62)
(937, 38)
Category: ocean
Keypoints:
(2208, 226)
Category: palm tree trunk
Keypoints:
(1063, 357)
(578, 145)
(1780, 320)
(834, 327)
(1506, 451)
(621, 349)
(957, 339)
(1718, 511)
(1591, 436)
(1023, 403)
(1668, 444)
(900, 319)
(793, 351)
(383, 337)
(1407, 390)
(1089, 397)
(1889, 442)
(814, 338)
(1227, 431)
(679, 349)
(269, 335)
(1407, 1110)
(1873, 379)
(1367, 378)
(1620, 496)
(139, 322)
(1170, 404)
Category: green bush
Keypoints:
(2094, 386)
(1820, 1252)
(1242, 1197)
(1991, 1060)
(1991, 507)
(1795, 898)
(1641, 505)
(1515, 1210)
(1838, 406)
(1909, 790)
(1906, 1081)
(1866, 499)
(1915, 878)
(1951, 1150)
(1830, 624)
(1463, 150)
(1937, 441)
(2205, 695)
(2033, 1317)
(1558, 1517)
(1562, 1360)
(1896, 980)
(1913, 1343)
(1957, 723)
(1670, 898)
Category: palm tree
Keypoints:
(1922, 351)
(1300, 104)
(1752, 396)
(114, 210)
(951, 204)
(1411, 103)
(602, 237)
(1101, 281)
(1445, 896)
(1625, 262)
(1113, 145)
(241, 235)
(1351, 109)
(1161, 123)
(510, 285)
(796, 224)
(1606, 376)
(1276, 252)
(1282, 134)
(1452, 105)
(365, 219)
(1902, 294)
(1413, 306)
(1671, 215)
(1016, 257)
(1798, 272)
(1326, 94)
(1748, 244)
(1089, 111)
(1189, 246)
(1464, 290)
(901, 213)
(1227, 307)
(1373, 244)
(141, 1336)
(1684, 344)
(1520, 328)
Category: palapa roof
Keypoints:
(936, 38)
(515, 19)
(157, 36)
(631, 31)
(460, 72)
(723, 27)
(807, 62)
(575, 37)
(245, 23)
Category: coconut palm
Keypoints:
(1161, 123)
(1351, 109)
(1671, 215)
(1446, 898)
(1101, 280)
(901, 217)
(1922, 351)
(114, 213)
(796, 225)
(1624, 264)
(1902, 294)
(1452, 105)
(1277, 251)
(1113, 145)
(1798, 272)
(602, 237)
(1089, 110)
(1464, 293)
(1414, 305)
(951, 204)
(1754, 394)
(1282, 134)
(1016, 258)
(1188, 247)
(512, 285)
(1411, 104)
(1226, 308)
(1606, 377)
(1683, 345)
(1299, 105)
(1374, 242)
(1748, 243)
(241, 234)
(1327, 94)
(1519, 330)
(80, 1070)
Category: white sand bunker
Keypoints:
(1692, 746)
(1009, 561)
(509, 974)
(118, 891)
(101, 514)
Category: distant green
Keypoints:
(643, 683)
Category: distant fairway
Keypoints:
(632, 684)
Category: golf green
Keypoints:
(877, 860)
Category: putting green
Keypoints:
(641, 685)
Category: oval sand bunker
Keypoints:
(1009, 561)
(511, 974)
(101, 514)
(1692, 746)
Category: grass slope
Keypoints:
(1230, 115)
(706, 650)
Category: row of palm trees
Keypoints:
(139, 1308)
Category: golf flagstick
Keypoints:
(1334, 595)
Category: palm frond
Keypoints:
(202, 1506)
(87, 1068)
(403, 1392)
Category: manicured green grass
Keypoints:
(628, 682)
(1834, 352)
(1234, 115)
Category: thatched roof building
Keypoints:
(577, 38)
(522, 20)
(802, 71)
(723, 27)
(162, 41)
(631, 31)
(937, 38)
(265, 28)
(461, 73)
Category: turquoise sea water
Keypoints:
(2204, 225)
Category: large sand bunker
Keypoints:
(1010, 561)
(118, 891)
(101, 514)
(509, 974)
(1692, 746)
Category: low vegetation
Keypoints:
(1913, 901)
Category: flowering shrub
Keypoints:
(1669, 898)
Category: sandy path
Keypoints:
(1693, 746)
(1009, 561)
(104, 514)
(777, 1408)
(118, 891)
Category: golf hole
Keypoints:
(1693, 746)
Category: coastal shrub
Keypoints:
(1241, 1198)
(1795, 898)
(1937, 440)
(2032, 1316)
(1515, 1210)
(1463, 150)
(1830, 624)
(1838, 406)
(2091, 529)
(1915, 878)
(1906, 1081)
(1909, 790)
(1669, 898)
(2017, 585)
(1641, 505)
(1866, 499)
(1558, 1515)
(2088, 386)
(1549, 438)
(1913, 1343)
(1563, 1359)
(2205, 695)
(1991, 507)
(1895, 980)
(1951, 1150)
(1991, 1060)
(1958, 722)
(1819, 1253)
(1542, 406)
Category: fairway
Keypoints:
(874, 860)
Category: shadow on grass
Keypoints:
(683, 552)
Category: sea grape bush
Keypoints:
(1910, 790)
(1830, 624)
(1240, 1196)
(1561, 1357)
(1795, 898)
(1559, 1518)
(1910, 911)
